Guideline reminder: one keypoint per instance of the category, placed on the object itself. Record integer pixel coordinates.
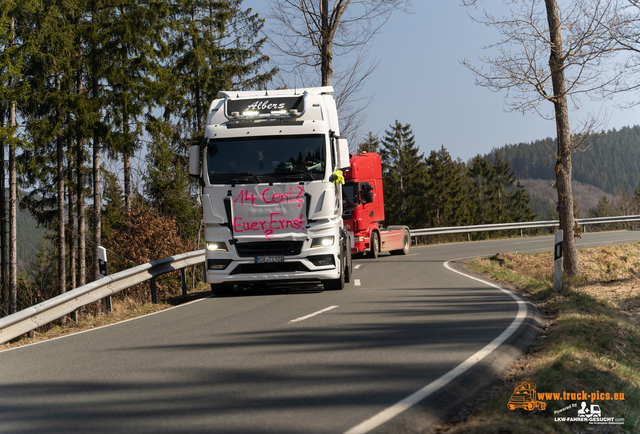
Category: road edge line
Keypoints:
(413, 399)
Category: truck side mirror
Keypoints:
(366, 192)
(343, 153)
(194, 161)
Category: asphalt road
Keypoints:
(261, 362)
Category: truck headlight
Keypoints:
(216, 246)
(322, 242)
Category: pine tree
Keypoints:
(483, 191)
(16, 47)
(215, 46)
(52, 77)
(404, 177)
(135, 49)
(504, 179)
(447, 200)
(518, 205)
(604, 208)
(370, 144)
(169, 187)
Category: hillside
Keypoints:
(29, 235)
(609, 162)
(544, 197)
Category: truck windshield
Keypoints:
(266, 159)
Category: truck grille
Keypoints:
(285, 248)
(283, 267)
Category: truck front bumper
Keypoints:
(292, 270)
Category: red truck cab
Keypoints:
(363, 209)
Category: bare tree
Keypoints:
(310, 33)
(552, 54)
(626, 34)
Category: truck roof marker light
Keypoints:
(235, 114)
(250, 113)
(279, 112)
(294, 112)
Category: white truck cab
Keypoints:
(272, 203)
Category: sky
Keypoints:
(420, 81)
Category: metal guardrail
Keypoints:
(43, 313)
(519, 226)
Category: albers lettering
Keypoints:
(265, 105)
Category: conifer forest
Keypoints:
(101, 99)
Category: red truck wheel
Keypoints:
(375, 245)
(406, 244)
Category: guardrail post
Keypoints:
(204, 271)
(104, 272)
(468, 236)
(154, 293)
(557, 262)
(183, 281)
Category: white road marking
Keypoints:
(355, 267)
(436, 385)
(356, 282)
(302, 318)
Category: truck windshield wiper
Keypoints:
(296, 175)
(235, 177)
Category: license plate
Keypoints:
(272, 259)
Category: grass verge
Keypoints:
(589, 346)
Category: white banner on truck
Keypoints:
(268, 211)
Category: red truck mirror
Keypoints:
(366, 192)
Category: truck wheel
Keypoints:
(221, 289)
(348, 270)
(337, 284)
(375, 246)
(406, 244)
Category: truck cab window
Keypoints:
(267, 159)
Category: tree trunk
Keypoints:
(326, 49)
(62, 254)
(3, 230)
(81, 217)
(97, 199)
(72, 227)
(127, 182)
(563, 162)
(13, 227)
(82, 256)
(13, 219)
(126, 157)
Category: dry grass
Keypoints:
(590, 341)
